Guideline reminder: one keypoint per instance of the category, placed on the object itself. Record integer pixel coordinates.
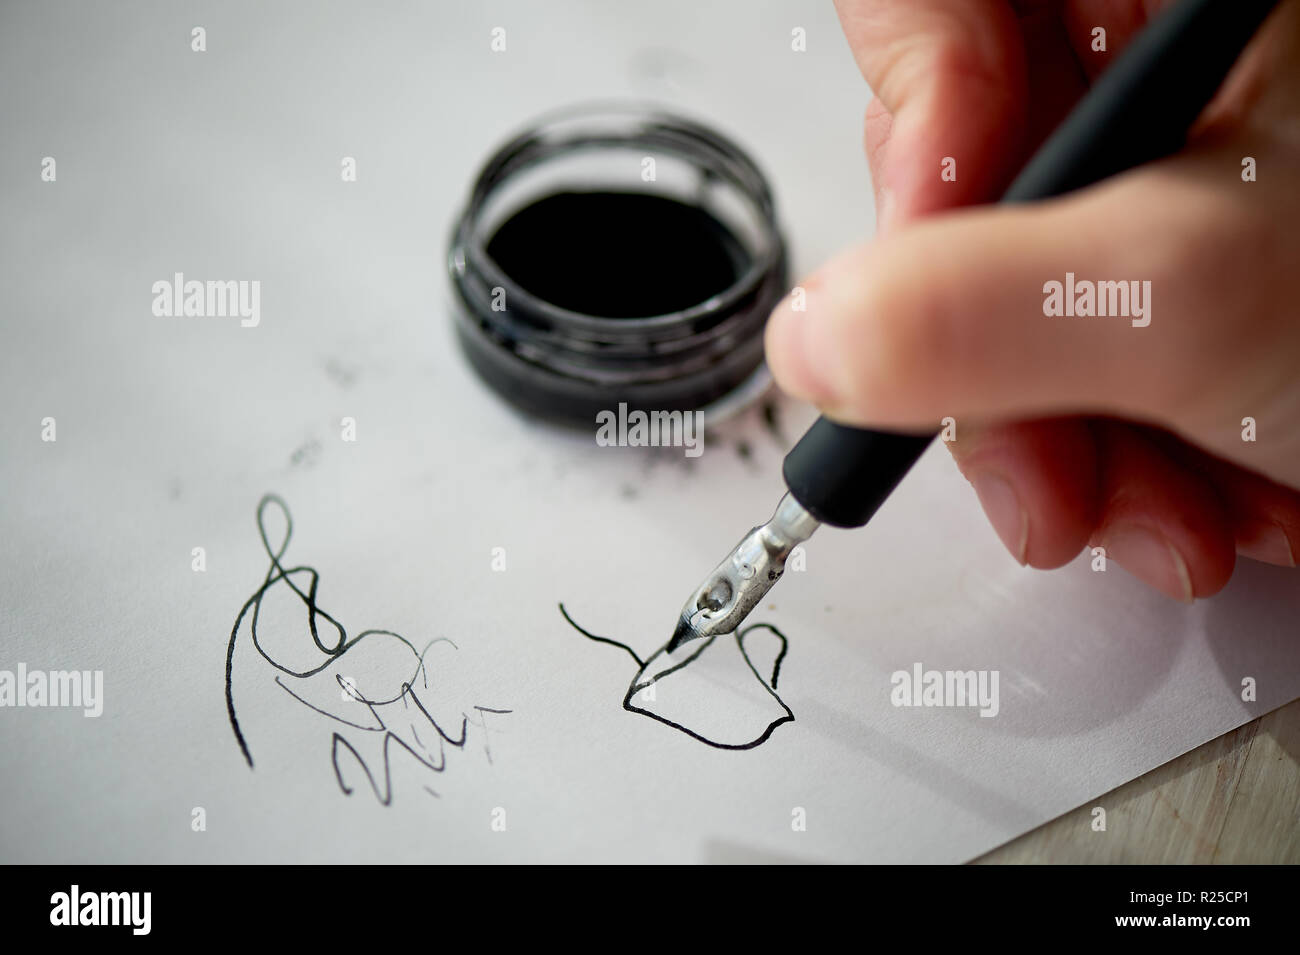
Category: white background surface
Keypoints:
(225, 165)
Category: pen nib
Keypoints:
(727, 595)
(683, 633)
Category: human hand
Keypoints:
(1073, 430)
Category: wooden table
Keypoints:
(1235, 799)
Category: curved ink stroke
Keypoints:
(334, 651)
(637, 684)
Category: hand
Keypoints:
(1074, 431)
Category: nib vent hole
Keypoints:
(717, 596)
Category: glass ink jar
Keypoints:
(614, 255)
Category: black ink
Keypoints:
(571, 297)
(416, 716)
(342, 374)
(618, 254)
(644, 679)
(307, 455)
(772, 422)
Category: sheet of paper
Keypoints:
(148, 541)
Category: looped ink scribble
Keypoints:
(661, 664)
(393, 710)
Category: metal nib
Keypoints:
(728, 594)
(681, 634)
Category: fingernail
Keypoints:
(790, 352)
(1267, 542)
(1002, 505)
(1149, 556)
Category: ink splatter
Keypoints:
(343, 375)
(728, 706)
(388, 716)
(772, 422)
(307, 455)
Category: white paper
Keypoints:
(225, 165)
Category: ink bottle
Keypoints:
(612, 255)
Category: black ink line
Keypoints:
(482, 716)
(591, 636)
(334, 650)
(355, 726)
(386, 797)
(636, 687)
